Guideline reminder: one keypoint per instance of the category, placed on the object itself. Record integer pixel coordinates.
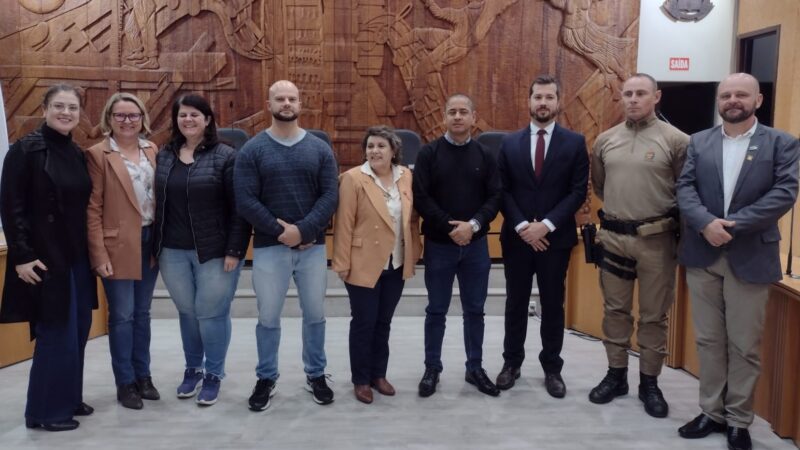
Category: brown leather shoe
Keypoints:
(363, 393)
(383, 386)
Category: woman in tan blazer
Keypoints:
(375, 246)
(120, 223)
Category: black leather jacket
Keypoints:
(217, 230)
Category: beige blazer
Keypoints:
(363, 234)
(114, 220)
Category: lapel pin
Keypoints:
(749, 157)
(753, 147)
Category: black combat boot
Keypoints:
(651, 396)
(615, 384)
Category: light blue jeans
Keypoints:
(203, 294)
(273, 267)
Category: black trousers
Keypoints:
(372, 310)
(55, 386)
(550, 268)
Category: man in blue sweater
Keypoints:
(286, 183)
(457, 193)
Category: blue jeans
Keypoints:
(471, 264)
(202, 293)
(273, 266)
(129, 318)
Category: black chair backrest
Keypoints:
(492, 140)
(322, 135)
(235, 137)
(411, 145)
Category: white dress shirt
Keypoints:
(535, 138)
(734, 149)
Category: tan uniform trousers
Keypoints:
(728, 316)
(656, 261)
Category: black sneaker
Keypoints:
(260, 399)
(320, 392)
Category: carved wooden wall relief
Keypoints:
(357, 62)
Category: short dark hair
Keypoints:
(61, 87)
(647, 76)
(387, 133)
(461, 95)
(201, 104)
(545, 79)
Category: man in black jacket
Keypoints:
(457, 193)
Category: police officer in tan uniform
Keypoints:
(635, 166)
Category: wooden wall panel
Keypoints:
(357, 62)
(755, 15)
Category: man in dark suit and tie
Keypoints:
(739, 179)
(544, 170)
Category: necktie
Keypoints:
(538, 158)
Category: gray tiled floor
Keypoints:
(456, 417)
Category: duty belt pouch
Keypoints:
(591, 250)
(657, 227)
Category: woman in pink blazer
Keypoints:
(376, 244)
(120, 224)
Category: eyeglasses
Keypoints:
(60, 107)
(120, 117)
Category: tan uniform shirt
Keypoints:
(635, 166)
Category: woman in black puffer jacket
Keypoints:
(200, 241)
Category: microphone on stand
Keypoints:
(791, 239)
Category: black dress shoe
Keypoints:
(427, 385)
(614, 384)
(479, 379)
(739, 439)
(700, 427)
(555, 385)
(128, 396)
(651, 396)
(507, 377)
(146, 389)
(66, 425)
(83, 410)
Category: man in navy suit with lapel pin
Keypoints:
(544, 170)
(739, 179)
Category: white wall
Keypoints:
(708, 43)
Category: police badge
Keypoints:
(687, 10)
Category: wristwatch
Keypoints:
(475, 225)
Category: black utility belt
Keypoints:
(638, 227)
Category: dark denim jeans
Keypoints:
(129, 318)
(55, 388)
(443, 263)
